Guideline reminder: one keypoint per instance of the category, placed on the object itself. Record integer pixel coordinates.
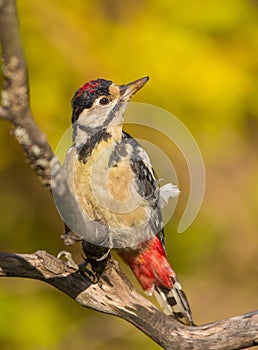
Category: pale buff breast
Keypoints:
(107, 194)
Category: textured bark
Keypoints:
(15, 95)
(114, 294)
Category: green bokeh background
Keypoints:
(202, 58)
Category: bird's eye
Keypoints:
(104, 101)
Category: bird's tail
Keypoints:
(174, 302)
(152, 269)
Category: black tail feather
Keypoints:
(174, 302)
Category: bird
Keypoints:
(112, 178)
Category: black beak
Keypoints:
(130, 89)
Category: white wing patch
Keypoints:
(166, 192)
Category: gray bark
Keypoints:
(113, 294)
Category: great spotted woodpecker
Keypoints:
(112, 179)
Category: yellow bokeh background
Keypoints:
(202, 58)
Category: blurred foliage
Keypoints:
(202, 58)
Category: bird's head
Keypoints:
(101, 102)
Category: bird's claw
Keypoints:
(69, 259)
(85, 269)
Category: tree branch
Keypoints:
(114, 294)
(16, 108)
(15, 95)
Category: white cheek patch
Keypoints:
(92, 118)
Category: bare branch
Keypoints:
(115, 295)
(16, 106)
(15, 95)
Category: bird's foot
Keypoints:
(95, 261)
(91, 269)
(69, 260)
(86, 270)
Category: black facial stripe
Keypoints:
(112, 114)
(89, 130)
(87, 148)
